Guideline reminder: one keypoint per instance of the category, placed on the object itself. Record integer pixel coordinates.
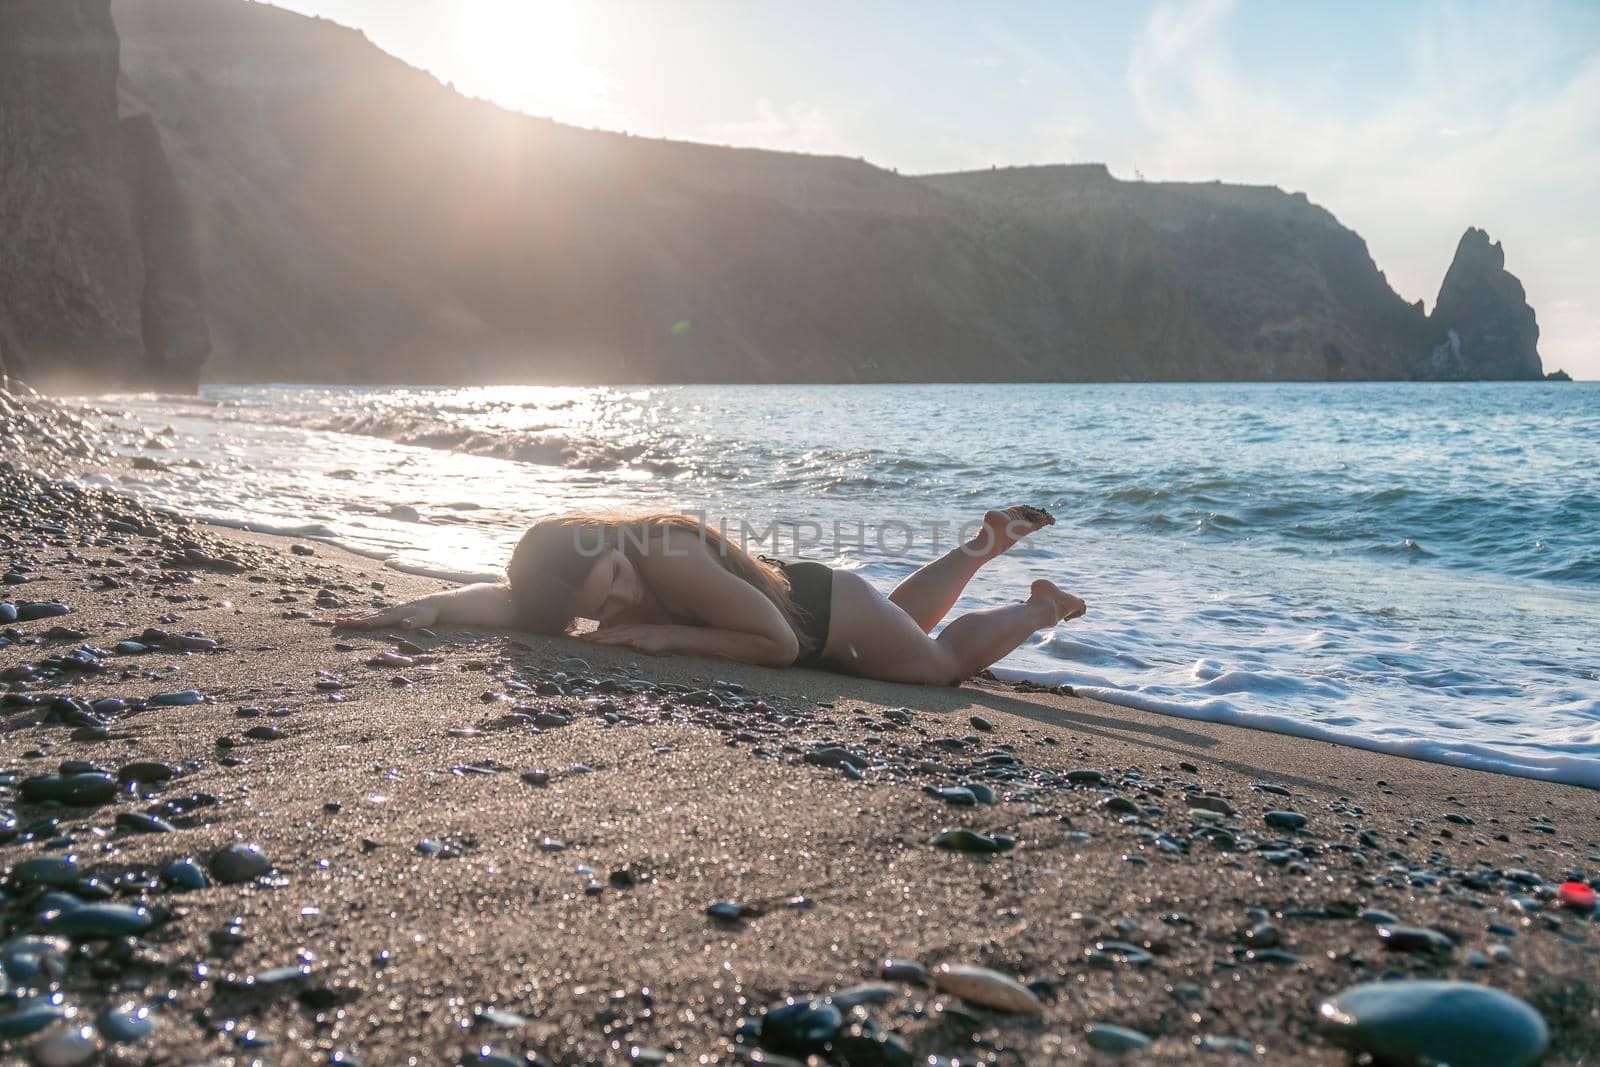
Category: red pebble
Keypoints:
(1576, 895)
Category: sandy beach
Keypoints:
(488, 847)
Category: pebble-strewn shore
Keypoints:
(231, 834)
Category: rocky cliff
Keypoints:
(355, 220)
(1482, 326)
(1185, 280)
(98, 283)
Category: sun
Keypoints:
(531, 55)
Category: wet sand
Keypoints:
(433, 895)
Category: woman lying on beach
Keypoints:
(667, 583)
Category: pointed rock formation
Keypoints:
(1482, 326)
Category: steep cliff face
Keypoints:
(91, 260)
(172, 313)
(1481, 326)
(69, 277)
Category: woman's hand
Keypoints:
(483, 604)
(416, 614)
(643, 637)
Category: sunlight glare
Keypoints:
(528, 55)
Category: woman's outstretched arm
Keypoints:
(484, 604)
(762, 650)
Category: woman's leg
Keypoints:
(929, 594)
(980, 638)
(873, 638)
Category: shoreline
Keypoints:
(1175, 715)
(1381, 678)
(436, 894)
(1586, 776)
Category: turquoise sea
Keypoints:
(1413, 568)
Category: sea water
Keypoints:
(1411, 568)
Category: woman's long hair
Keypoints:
(555, 556)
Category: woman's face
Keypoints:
(611, 590)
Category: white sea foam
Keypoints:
(1571, 763)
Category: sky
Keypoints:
(1410, 120)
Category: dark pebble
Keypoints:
(82, 790)
(185, 874)
(906, 971)
(128, 1022)
(1262, 935)
(29, 1017)
(870, 993)
(1110, 953)
(835, 756)
(239, 863)
(102, 922)
(54, 871)
(802, 1026)
(40, 609)
(145, 771)
(137, 822)
(1285, 820)
(961, 839)
(1422, 1022)
(1414, 939)
(725, 911)
(1108, 1037)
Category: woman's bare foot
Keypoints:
(1063, 605)
(1004, 527)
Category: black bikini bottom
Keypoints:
(811, 587)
